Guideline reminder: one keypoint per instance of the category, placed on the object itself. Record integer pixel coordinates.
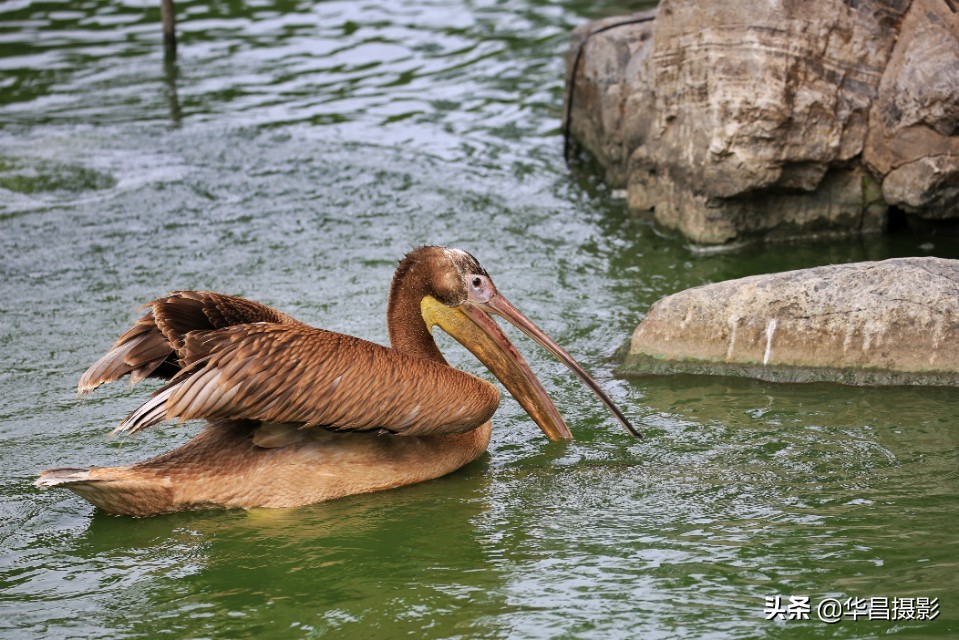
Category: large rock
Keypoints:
(732, 119)
(889, 322)
(913, 139)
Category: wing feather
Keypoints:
(157, 344)
(283, 373)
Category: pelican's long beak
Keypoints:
(502, 307)
(471, 325)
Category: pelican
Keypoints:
(298, 415)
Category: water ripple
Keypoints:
(454, 78)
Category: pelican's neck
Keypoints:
(404, 316)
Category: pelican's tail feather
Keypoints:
(117, 490)
(63, 476)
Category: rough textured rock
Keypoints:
(913, 140)
(895, 321)
(732, 119)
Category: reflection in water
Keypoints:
(402, 560)
(171, 73)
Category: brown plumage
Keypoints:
(157, 338)
(299, 374)
(298, 415)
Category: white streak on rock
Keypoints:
(770, 332)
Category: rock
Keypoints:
(889, 322)
(597, 109)
(731, 120)
(913, 140)
(928, 186)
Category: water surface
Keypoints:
(292, 153)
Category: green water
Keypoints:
(292, 154)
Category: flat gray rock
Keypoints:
(889, 322)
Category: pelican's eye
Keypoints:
(480, 288)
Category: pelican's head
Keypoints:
(458, 295)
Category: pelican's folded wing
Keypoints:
(153, 347)
(302, 375)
